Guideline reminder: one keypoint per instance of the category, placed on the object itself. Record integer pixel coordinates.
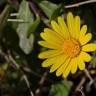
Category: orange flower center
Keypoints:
(71, 47)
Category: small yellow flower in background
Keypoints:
(67, 46)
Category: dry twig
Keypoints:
(80, 3)
(41, 83)
(8, 57)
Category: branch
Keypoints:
(80, 84)
(8, 57)
(81, 91)
(89, 76)
(35, 8)
(41, 83)
(80, 3)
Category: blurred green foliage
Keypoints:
(61, 89)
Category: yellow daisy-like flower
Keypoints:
(67, 46)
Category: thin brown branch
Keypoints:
(41, 83)
(80, 3)
(80, 84)
(78, 88)
(89, 76)
(35, 8)
(28, 84)
(8, 57)
(81, 91)
(19, 69)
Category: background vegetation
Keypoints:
(21, 73)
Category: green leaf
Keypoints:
(27, 43)
(61, 89)
(26, 27)
(33, 27)
(51, 10)
(25, 12)
(56, 12)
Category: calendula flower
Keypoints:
(67, 46)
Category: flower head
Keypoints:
(67, 46)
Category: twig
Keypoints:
(28, 85)
(81, 91)
(8, 57)
(80, 84)
(78, 88)
(28, 70)
(18, 68)
(89, 76)
(38, 12)
(16, 20)
(80, 3)
(14, 14)
(41, 83)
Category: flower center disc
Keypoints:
(71, 47)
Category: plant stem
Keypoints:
(80, 3)
(89, 76)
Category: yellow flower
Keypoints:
(67, 46)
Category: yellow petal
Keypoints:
(48, 62)
(49, 53)
(74, 62)
(48, 45)
(58, 63)
(76, 27)
(81, 64)
(70, 23)
(50, 40)
(67, 71)
(52, 35)
(83, 31)
(56, 27)
(89, 47)
(63, 27)
(85, 39)
(85, 56)
(63, 67)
